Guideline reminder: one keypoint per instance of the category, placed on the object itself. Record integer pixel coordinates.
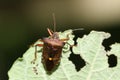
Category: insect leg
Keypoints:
(32, 45)
(67, 40)
(35, 54)
(64, 39)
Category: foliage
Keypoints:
(90, 49)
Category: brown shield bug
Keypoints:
(52, 49)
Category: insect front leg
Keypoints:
(68, 46)
(65, 39)
(35, 54)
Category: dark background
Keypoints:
(24, 22)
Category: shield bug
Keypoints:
(52, 49)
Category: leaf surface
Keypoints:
(90, 49)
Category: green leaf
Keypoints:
(90, 49)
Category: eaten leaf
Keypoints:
(89, 47)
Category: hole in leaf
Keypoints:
(106, 43)
(79, 33)
(112, 60)
(77, 61)
(75, 38)
(114, 37)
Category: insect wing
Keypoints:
(51, 55)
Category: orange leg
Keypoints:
(35, 54)
(40, 45)
(66, 42)
(64, 39)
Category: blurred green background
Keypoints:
(22, 22)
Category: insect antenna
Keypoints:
(54, 22)
(78, 29)
(50, 31)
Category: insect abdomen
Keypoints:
(51, 55)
